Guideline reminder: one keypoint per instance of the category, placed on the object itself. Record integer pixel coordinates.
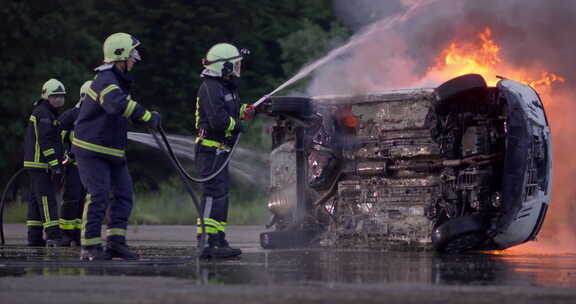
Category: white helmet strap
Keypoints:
(243, 52)
(207, 62)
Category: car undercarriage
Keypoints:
(459, 167)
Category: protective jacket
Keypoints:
(67, 120)
(218, 112)
(42, 145)
(102, 124)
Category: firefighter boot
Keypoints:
(77, 237)
(224, 244)
(35, 236)
(93, 253)
(58, 243)
(67, 239)
(214, 251)
(54, 238)
(119, 249)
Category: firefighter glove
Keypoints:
(154, 121)
(249, 112)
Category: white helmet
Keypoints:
(223, 59)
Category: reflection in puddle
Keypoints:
(314, 267)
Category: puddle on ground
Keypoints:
(307, 267)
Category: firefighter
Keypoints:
(42, 159)
(74, 192)
(219, 115)
(99, 143)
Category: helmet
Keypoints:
(52, 87)
(222, 59)
(118, 47)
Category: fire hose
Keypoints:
(164, 146)
(2, 200)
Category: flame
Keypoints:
(483, 56)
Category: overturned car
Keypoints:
(460, 167)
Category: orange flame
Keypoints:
(483, 57)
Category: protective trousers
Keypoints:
(42, 208)
(103, 178)
(215, 191)
(72, 203)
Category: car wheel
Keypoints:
(298, 106)
(460, 234)
(458, 86)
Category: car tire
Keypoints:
(297, 106)
(458, 86)
(460, 234)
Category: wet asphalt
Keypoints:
(168, 255)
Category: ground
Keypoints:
(286, 276)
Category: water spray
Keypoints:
(165, 146)
(355, 41)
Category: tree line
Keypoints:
(63, 39)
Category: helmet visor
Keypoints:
(135, 54)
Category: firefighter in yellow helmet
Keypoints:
(43, 161)
(219, 115)
(99, 147)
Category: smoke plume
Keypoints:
(532, 34)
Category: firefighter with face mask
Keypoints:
(219, 116)
(42, 159)
(74, 192)
(100, 137)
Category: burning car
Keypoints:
(460, 167)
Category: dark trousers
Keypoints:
(72, 202)
(42, 207)
(103, 178)
(215, 191)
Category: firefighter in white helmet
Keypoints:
(43, 160)
(219, 119)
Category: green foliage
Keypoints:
(170, 204)
(310, 42)
(16, 212)
(63, 39)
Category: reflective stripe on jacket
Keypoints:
(218, 109)
(42, 146)
(67, 120)
(102, 124)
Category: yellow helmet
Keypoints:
(52, 87)
(119, 46)
(221, 59)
